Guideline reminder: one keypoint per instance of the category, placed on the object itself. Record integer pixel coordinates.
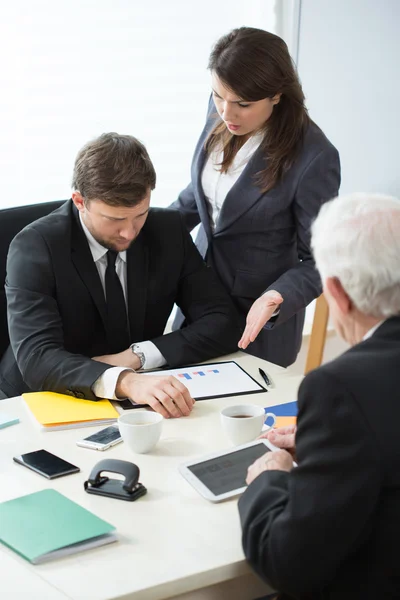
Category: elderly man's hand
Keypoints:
(280, 460)
(282, 437)
(259, 314)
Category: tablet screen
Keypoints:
(228, 472)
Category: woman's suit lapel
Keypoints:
(198, 163)
(243, 194)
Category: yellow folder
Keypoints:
(59, 411)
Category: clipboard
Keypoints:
(207, 381)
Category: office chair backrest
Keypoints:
(12, 220)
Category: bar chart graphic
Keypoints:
(214, 380)
(187, 375)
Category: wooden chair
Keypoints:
(318, 334)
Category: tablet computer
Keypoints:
(222, 475)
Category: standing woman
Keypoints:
(260, 172)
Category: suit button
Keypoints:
(70, 392)
(79, 394)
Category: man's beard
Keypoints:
(110, 246)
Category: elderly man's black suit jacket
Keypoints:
(331, 528)
(57, 310)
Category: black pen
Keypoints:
(265, 377)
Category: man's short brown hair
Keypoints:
(115, 169)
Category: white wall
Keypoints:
(73, 69)
(349, 53)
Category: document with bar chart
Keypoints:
(214, 380)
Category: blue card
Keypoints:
(283, 410)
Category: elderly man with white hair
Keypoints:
(330, 527)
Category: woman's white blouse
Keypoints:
(216, 185)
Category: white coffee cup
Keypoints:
(243, 423)
(140, 430)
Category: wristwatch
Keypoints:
(136, 350)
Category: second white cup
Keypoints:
(243, 423)
(140, 430)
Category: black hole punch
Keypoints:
(128, 489)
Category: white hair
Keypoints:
(356, 238)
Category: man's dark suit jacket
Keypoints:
(262, 240)
(57, 309)
(330, 529)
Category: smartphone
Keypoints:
(47, 464)
(110, 436)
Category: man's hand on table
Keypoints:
(282, 437)
(280, 460)
(165, 394)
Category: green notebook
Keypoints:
(47, 525)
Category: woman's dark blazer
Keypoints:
(262, 240)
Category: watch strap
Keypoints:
(136, 350)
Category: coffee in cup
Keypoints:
(243, 423)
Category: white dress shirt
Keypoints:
(371, 331)
(216, 185)
(104, 386)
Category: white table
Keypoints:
(172, 542)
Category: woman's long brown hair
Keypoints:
(256, 64)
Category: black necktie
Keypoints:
(117, 330)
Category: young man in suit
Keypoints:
(90, 288)
(330, 528)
